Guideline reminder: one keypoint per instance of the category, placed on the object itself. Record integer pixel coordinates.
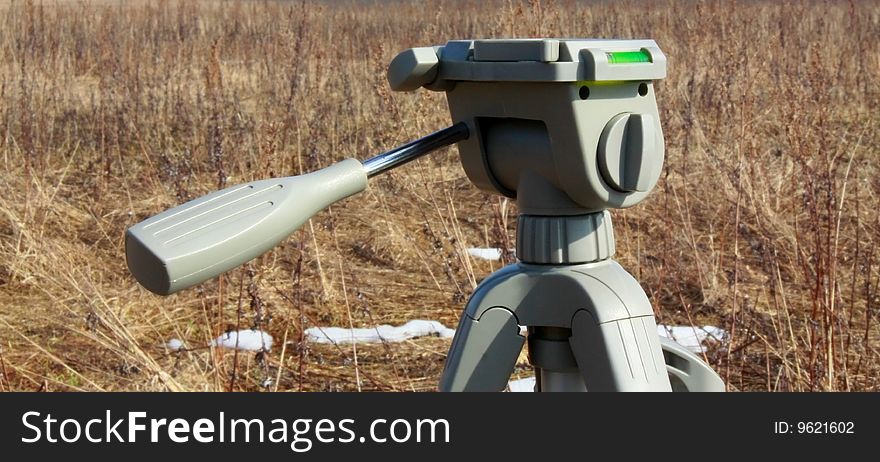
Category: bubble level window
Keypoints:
(628, 57)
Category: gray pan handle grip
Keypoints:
(203, 238)
(208, 236)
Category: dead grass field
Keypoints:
(766, 220)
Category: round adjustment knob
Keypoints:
(413, 68)
(631, 152)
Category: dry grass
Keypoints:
(765, 223)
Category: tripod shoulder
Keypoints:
(543, 295)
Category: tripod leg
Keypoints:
(687, 371)
(483, 352)
(621, 355)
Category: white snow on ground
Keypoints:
(522, 385)
(693, 338)
(383, 333)
(696, 339)
(485, 254)
(248, 340)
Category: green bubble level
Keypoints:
(627, 57)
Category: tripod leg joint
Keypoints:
(483, 352)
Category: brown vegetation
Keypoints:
(766, 221)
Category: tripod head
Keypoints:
(567, 127)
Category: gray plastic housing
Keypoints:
(572, 129)
(553, 122)
(687, 371)
(205, 237)
(522, 60)
(614, 336)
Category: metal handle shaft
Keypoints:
(415, 149)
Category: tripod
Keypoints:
(569, 128)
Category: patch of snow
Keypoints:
(485, 253)
(248, 340)
(522, 385)
(693, 338)
(175, 344)
(383, 333)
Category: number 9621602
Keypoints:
(818, 427)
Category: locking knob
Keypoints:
(413, 68)
(630, 152)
